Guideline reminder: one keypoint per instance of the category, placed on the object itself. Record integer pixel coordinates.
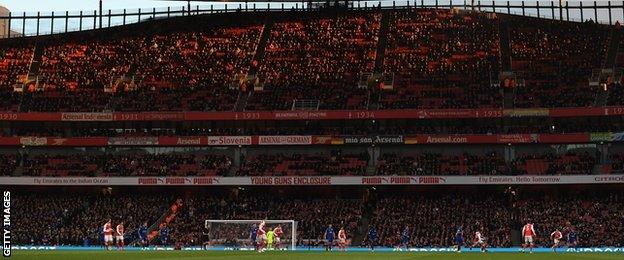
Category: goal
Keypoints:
(234, 234)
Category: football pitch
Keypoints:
(90, 255)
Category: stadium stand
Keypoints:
(312, 162)
(432, 218)
(314, 57)
(142, 84)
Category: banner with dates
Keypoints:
(312, 115)
(168, 141)
(313, 180)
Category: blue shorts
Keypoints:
(459, 241)
(330, 239)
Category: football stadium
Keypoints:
(427, 129)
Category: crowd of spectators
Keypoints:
(437, 59)
(163, 72)
(570, 163)
(317, 58)
(180, 164)
(14, 64)
(551, 67)
(334, 163)
(120, 164)
(46, 220)
(614, 164)
(596, 217)
(9, 163)
(313, 215)
(537, 125)
(53, 219)
(441, 164)
(441, 59)
(432, 218)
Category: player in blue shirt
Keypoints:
(329, 237)
(143, 234)
(101, 235)
(372, 237)
(572, 239)
(459, 239)
(253, 236)
(405, 238)
(164, 235)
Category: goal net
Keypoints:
(236, 234)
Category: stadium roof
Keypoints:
(262, 1)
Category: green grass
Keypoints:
(161, 255)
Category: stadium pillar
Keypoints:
(24, 24)
(100, 7)
(581, 7)
(38, 15)
(66, 20)
(80, 22)
(9, 26)
(508, 8)
(595, 12)
(560, 10)
(609, 7)
(568, 12)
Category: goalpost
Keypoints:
(234, 234)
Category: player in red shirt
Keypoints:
(108, 234)
(278, 233)
(528, 232)
(119, 236)
(342, 239)
(556, 236)
(261, 236)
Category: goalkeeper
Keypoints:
(270, 238)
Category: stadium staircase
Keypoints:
(504, 44)
(368, 208)
(612, 45)
(509, 94)
(166, 218)
(264, 38)
(516, 237)
(382, 41)
(241, 101)
(373, 94)
(36, 62)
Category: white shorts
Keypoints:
(276, 240)
(342, 241)
(108, 238)
(556, 241)
(119, 238)
(262, 238)
(528, 239)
